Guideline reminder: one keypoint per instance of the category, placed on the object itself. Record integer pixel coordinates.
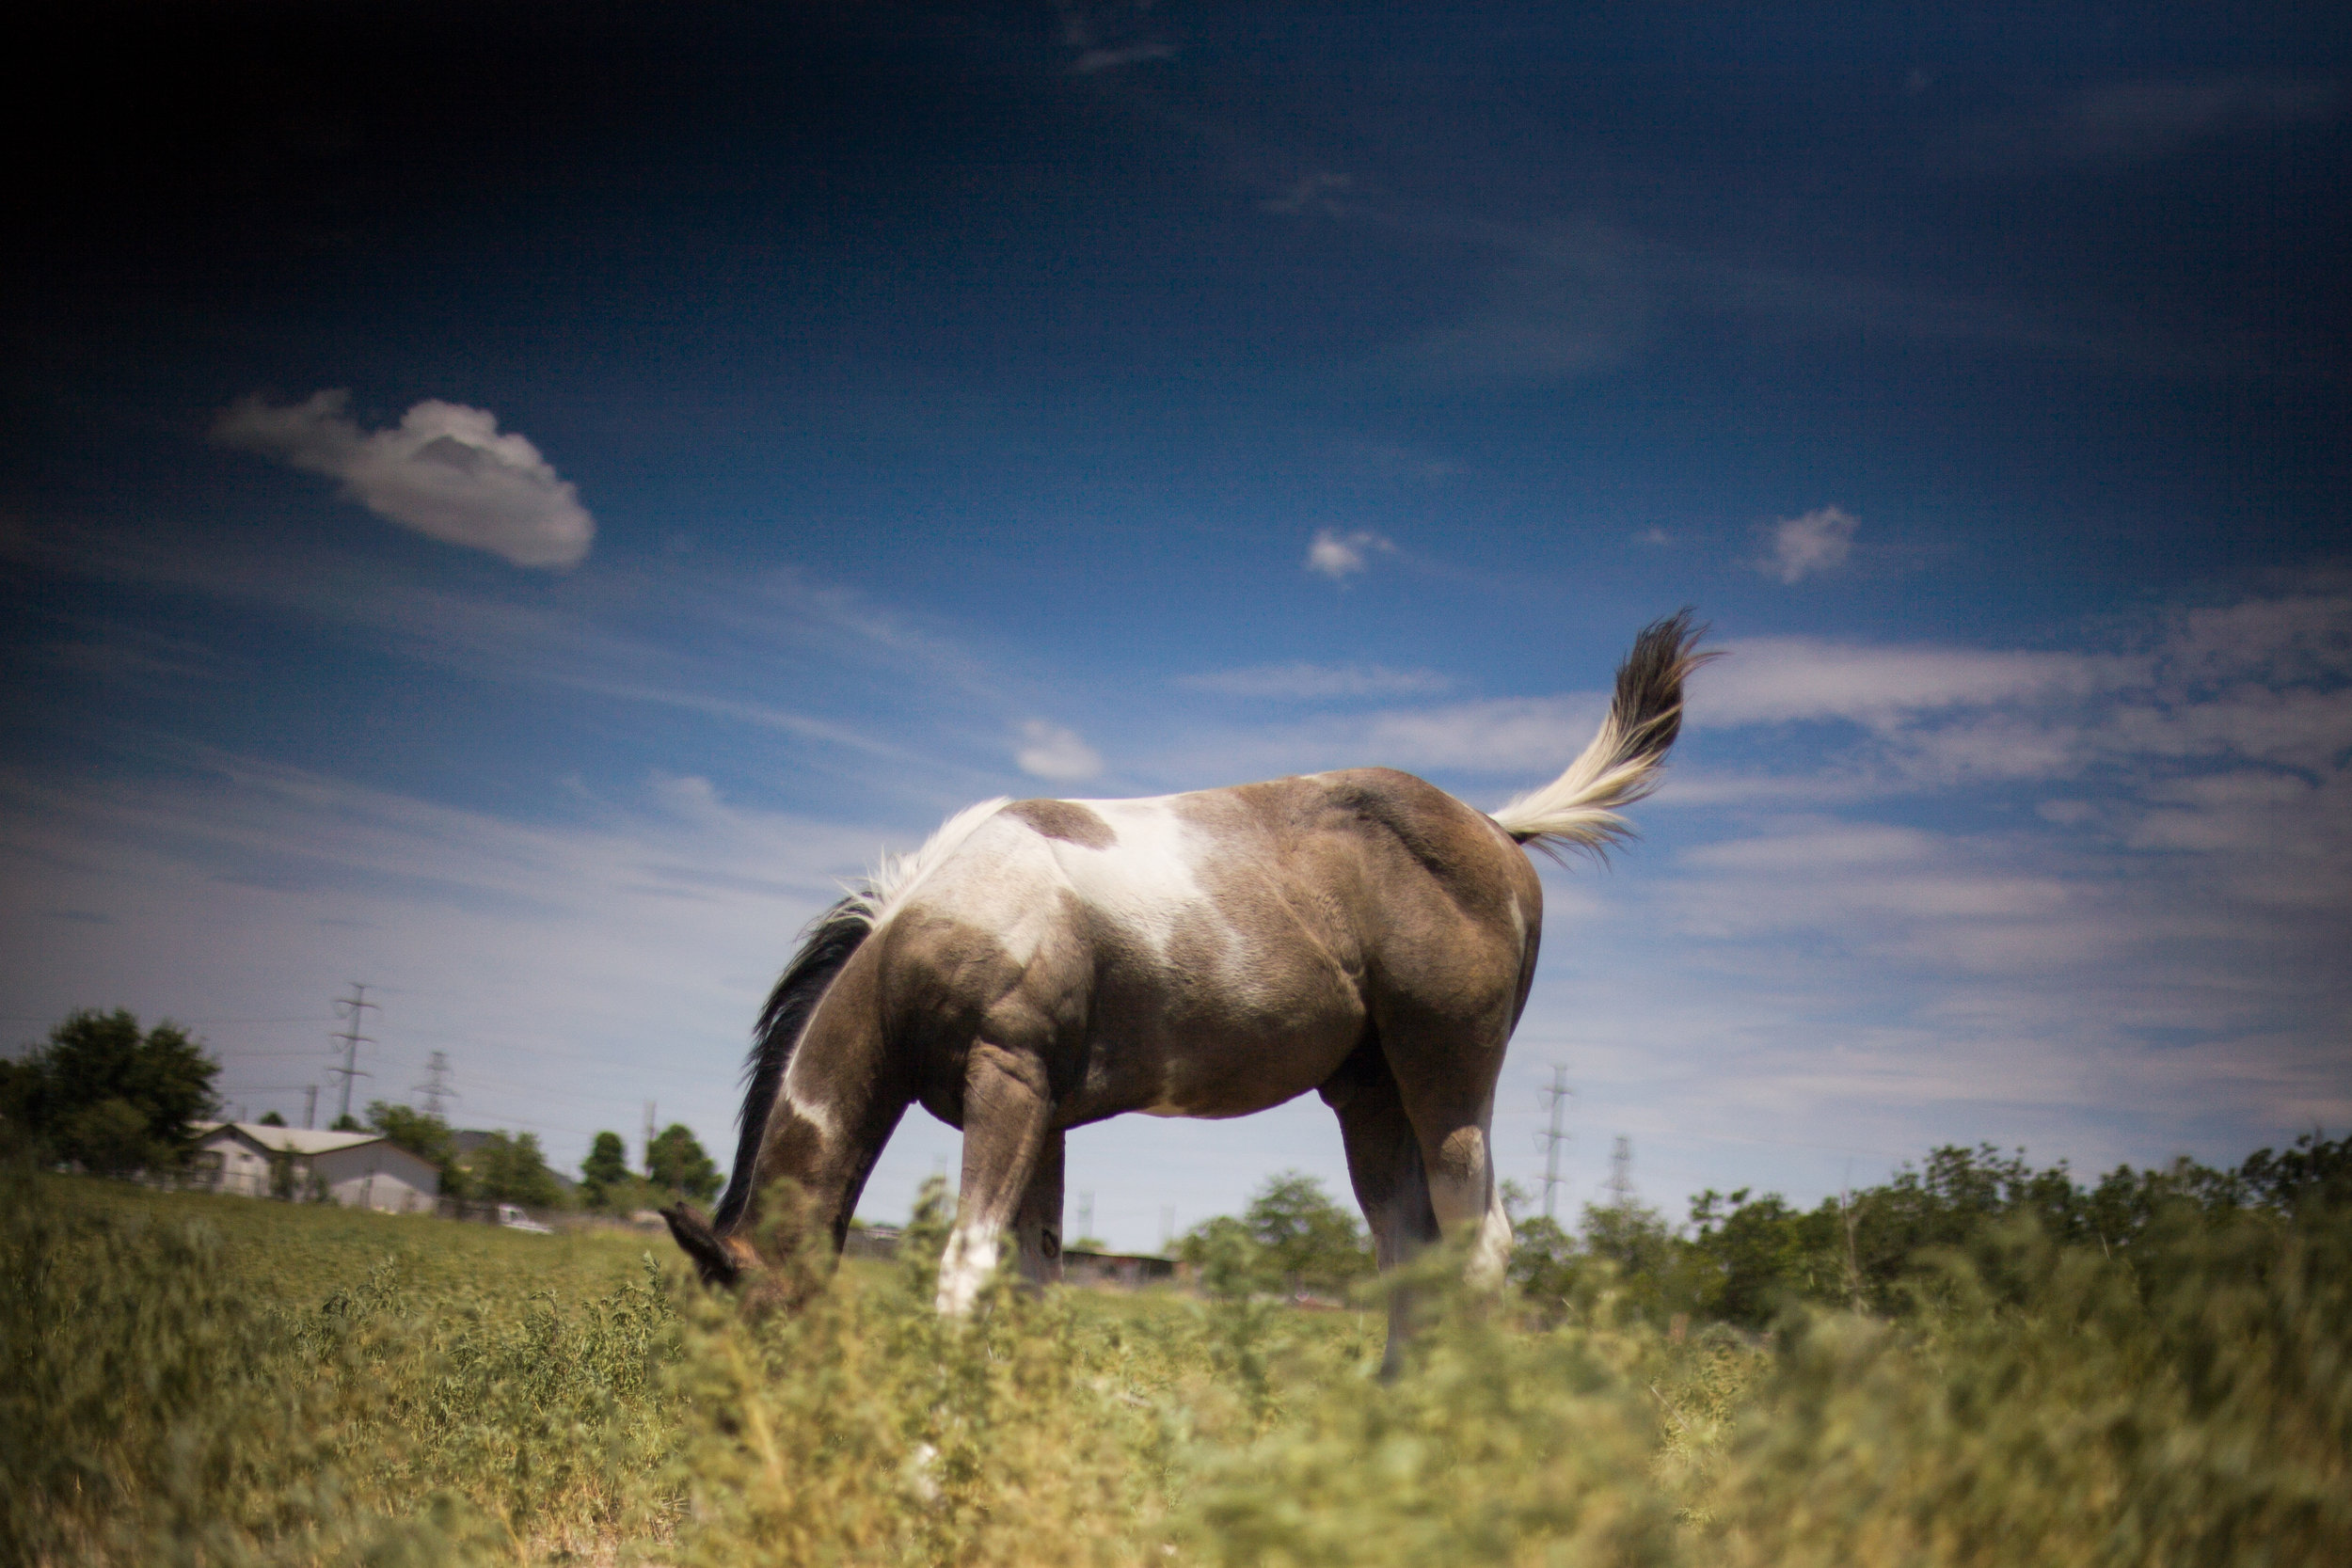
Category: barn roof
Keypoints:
(289, 1140)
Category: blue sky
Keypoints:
(512, 509)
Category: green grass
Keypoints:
(198, 1380)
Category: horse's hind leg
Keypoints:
(1037, 1224)
(1384, 1165)
(1446, 1078)
(1457, 1152)
(1007, 1106)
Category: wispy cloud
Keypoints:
(1559, 306)
(554, 959)
(1109, 33)
(2129, 120)
(2170, 917)
(774, 654)
(1304, 682)
(1778, 679)
(444, 471)
(1803, 546)
(1318, 192)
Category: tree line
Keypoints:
(1744, 1258)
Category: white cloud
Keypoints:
(443, 470)
(1817, 542)
(1304, 682)
(1340, 555)
(1774, 679)
(1501, 734)
(1051, 752)
(2149, 118)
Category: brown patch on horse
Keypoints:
(1066, 820)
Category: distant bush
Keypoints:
(1292, 1238)
(510, 1167)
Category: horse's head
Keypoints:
(714, 1260)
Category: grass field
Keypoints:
(220, 1381)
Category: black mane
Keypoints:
(832, 938)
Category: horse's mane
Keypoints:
(830, 940)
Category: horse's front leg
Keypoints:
(1007, 1108)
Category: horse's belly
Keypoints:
(1221, 1059)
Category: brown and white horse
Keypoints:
(1039, 965)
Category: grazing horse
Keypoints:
(1037, 965)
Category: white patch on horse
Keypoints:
(1148, 881)
(966, 1265)
(1490, 1255)
(992, 884)
(885, 892)
(815, 1112)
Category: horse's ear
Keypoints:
(711, 1258)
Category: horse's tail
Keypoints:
(1627, 758)
(832, 938)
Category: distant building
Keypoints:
(1129, 1270)
(359, 1170)
(1132, 1270)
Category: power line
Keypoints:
(436, 1088)
(353, 1010)
(1557, 1094)
(1621, 1173)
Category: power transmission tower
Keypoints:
(436, 1088)
(1086, 1215)
(649, 1137)
(309, 1106)
(1556, 1095)
(1621, 1173)
(353, 1010)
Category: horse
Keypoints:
(1040, 965)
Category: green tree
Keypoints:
(1224, 1257)
(677, 1164)
(1545, 1260)
(604, 1175)
(1753, 1255)
(111, 1097)
(511, 1169)
(1306, 1239)
(271, 1118)
(1292, 1237)
(425, 1135)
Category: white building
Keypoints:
(359, 1170)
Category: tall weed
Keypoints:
(217, 1381)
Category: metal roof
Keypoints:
(290, 1140)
